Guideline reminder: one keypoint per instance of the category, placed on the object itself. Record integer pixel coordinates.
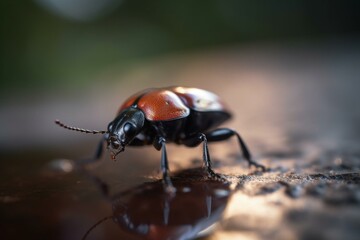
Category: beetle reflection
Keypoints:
(148, 212)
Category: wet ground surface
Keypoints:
(296, 109)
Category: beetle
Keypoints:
(181, 115)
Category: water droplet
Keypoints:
(221, 193)
(62, 165)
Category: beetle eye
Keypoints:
(110, 126)
(129, 128)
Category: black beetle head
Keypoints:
(124, 129)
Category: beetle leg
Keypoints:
(160, 143)
(96, 157)
(81, 164)
(195, 141)
(225, 133)
(206, 157)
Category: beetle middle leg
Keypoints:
(160, 143)
(225, 133)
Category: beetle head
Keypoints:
(123, 129)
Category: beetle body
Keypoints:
(174, 114)
(157, 116)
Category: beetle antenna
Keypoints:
(58, 122)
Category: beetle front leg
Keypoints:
(81, 166)
(195, 141)
(225, 133)
(160, 143)
(96, 157)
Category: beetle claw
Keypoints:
(213, 175)
(257, 165)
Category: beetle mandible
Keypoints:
(182, 115)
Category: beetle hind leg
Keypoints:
(225, 133)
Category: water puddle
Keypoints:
(148, 212)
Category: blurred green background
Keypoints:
(47, 44)
(77, 60)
